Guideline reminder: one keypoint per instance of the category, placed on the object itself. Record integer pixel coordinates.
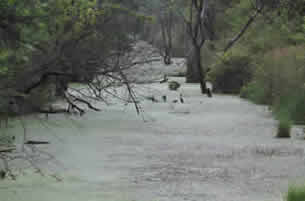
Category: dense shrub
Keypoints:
(279, 81)
(291, 106)
(255, 92)
(283, 129)
(40, 97)
(231, 74)
(296, 193)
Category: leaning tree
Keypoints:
(200, 28)
(200, 21)
(45, 45)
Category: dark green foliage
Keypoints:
(6, 139)
(231, 74)
(284, 127)
(275, 44)
(295, 193)
(75, 37)
(279, 81)
(291, 106)
(44, 45)
(298, 114)
(255, 92)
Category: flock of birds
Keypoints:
(164, 98)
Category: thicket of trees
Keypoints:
(255, 48)
(252, 47)
(46, 44)
(267, 65)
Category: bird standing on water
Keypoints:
(181, 99)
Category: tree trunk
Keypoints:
(195, 73)
(167, 56)
(166, 40)
(61, 87)
(200, 70)
(192, 74)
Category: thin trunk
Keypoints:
(166, 30)
(200, 70)
(192, 75)
(169, 35)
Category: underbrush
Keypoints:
(295, 193)
(255, 92)
(279, 81)
(284, 127)
(231, 73)
(291, 107)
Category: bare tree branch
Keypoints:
(243, 30)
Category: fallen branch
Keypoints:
(52, 111)
(131, 92)
(74, 106)
(89, 105)
(32, 142)
(7, 149)
(43, 78)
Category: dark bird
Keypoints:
(152, 98)
(209, 93)
(36, 142)
(165, 79)
(164, 98)
(181, 99)
(2, 174)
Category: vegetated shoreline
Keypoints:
(119, 156)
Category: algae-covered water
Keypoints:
(220, 148)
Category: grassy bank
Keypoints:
(279, 81)
(295, 193)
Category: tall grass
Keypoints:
(296, 193)
(291, 107)
(279, 81)
(284, 127)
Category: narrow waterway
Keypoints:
(221, 149)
